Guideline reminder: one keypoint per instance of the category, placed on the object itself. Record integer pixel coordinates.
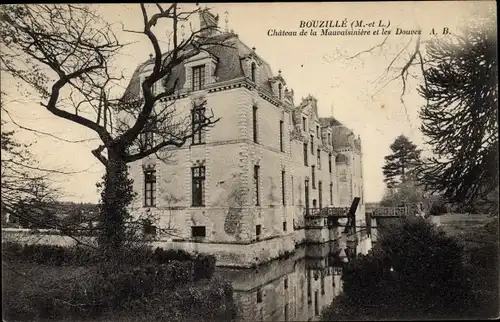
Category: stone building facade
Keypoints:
(241, 189)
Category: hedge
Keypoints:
(203, 265)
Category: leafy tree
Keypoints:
(407, 192)
(66, 53)
(414, 271)
(399, 164)
(460, 117)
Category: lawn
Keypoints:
(471, 228)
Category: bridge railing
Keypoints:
(389, 212)
(325, 212)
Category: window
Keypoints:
(309, 287)
(256, 169)
(285, 283)
(313, 176)
(198, 78)
(253, 70)
(317, 131)
(280, 89)
(197, 124)
(331, 193)
(329, 139)
(286, 312)
(150, 188)
(198, 231)
(157, 88)
(305, 155)
(281, 137)
(283, 192)
(259, 296)
(147, 139)
(330, 162)
(258, 231)
(284, 226)
(322, 283)
(303, 123)
(254, 121)
(316, 304)
(198, 182)
(318, 155)
(312, 144)
(148, 227)
(320, 194)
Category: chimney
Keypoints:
(208, 20)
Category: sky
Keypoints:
(349, 88)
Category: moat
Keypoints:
(297, 288)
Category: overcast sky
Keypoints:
(309, 64)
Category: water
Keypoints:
(293, 289)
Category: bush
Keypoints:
(81, 255)
(204, 266)
(414, 271)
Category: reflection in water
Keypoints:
(293, 289)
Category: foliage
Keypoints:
(414, 271)
(403, 193)
(164, 292)
(460, 117)
(399, 164)
(116, 194)
(156, 283)
(203, 265)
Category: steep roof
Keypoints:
(342, 137)
(229, 66)
(329, 121)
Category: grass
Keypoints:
(470, 229)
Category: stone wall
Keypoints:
(237, 254)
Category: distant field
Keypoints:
(471, 228)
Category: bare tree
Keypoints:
(455, 73)
(27, 192)
(66, 52)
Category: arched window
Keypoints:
(280, 88)
(254, 68)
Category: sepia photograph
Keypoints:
(274, 161)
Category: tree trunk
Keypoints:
(115, 197)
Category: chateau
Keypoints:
(247, 190)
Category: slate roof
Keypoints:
(229, 66)
(329, 121)
(342, 137)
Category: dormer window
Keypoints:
(280, 90)
(157, 87)
(254, 72)
(303, 123)
(198, 77)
